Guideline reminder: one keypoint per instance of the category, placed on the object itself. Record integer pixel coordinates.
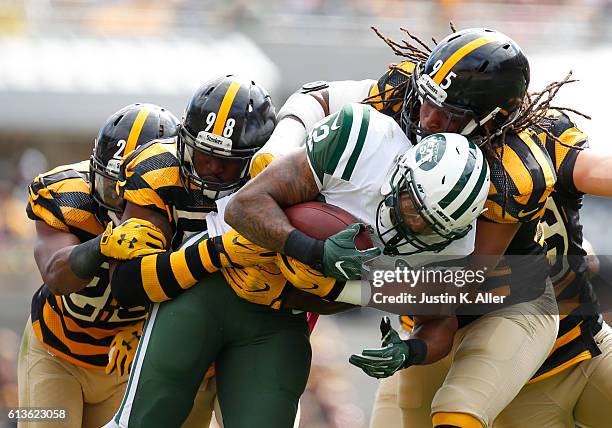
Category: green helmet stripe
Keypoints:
(363, 130)
(463, 179)
(484, 172)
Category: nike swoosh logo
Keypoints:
(266, 288)
(339, 267)
(314, 287)
(239, 244)
(522, 213)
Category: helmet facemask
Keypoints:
(216, 146)
(393, 230)
(103, 183)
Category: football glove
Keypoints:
(304, 277)
(341, 258)
(123, 349)
(134, 237)
(233, 250)
(261, 284)
(382, 362)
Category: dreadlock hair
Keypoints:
(415, 52)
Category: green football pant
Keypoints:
(262, 360)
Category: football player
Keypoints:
(160, 379)
(574, 385)
(582, 335)
(179, 186)
(74, 320)
(444, 97)
(312, 102)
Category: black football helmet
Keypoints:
(228, 118)
(476, 77)
(123, 132)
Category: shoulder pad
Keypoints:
(558, 122)
(313, 86)
(64, 172)
(521, 182)
(61, 199)
(336, 143)
(150, 177)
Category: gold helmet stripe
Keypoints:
(226, 104)
(458, 55)
(141, 117)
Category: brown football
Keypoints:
(320, 221)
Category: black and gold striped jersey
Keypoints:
(562, 231)
(522, 178)
(78, 327)
(150, 177)
(521, 181)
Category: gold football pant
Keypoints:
(89, 396)
(490, 361)
(386, 412)
(580, 394)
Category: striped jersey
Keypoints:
(578, 309)
(522, 178)
(78, 327)
(150, 178)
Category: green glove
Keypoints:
(341, 258)
(383, 362)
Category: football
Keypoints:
(320, 221)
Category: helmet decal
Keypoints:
(429, 154)
(224, 126)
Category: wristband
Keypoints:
(305, 249)
(418, 351)
(86, 258)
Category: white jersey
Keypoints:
(290, 135)
(346, 92)
(352, 154)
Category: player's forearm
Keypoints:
(438, 334)
(160, 277)
(256, 211)
(593, 173)
(259, 218)
(58, 275)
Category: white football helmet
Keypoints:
(447, 180)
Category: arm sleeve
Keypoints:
(160, 277)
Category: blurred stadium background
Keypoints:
(65, 65)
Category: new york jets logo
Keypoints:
(430, 151)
